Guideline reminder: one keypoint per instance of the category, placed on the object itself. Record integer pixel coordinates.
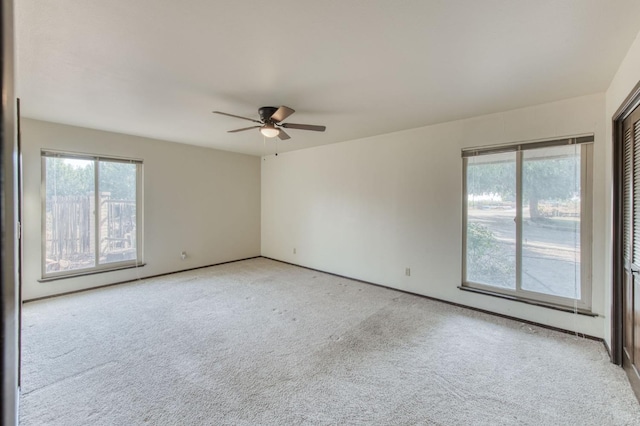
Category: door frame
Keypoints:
(8, 216)
(18, 262)
(617, 298)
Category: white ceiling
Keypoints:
(157, 68)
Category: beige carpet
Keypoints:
(262, 342)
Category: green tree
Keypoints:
(66, 179)
(492, 178)
(119, 179)
(544, 178)
(77, 178)
(549, 179)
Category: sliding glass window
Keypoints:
(527, 221)
(91, 214)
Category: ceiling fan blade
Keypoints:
(304, 127)
(243, 129)
(237, 116)
(281, 113)
(283, 135)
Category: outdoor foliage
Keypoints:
(492, 178)
(549, 179)
(64, 179)
(485, 258)
(543, 179)
(119, 179)
(77, 179)
(79, 224)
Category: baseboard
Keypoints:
(608, 349)
(460, 305)
(633, 376)
(136, 279)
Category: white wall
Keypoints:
(627, 76)
(201, 200)
(369, 208)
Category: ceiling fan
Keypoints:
(270, 123)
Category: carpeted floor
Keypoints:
(262, 342)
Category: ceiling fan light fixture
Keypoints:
(269, 130)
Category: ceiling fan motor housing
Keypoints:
(266, 113)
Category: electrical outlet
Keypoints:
(407, 271)
(294, 250)
(183, 255)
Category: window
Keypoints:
(91, 214)
(527, 221)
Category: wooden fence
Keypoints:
(71, 231)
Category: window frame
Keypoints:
(98, 267)
(584, 304)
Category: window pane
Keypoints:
(551, 221)
(69, 219)
(491, 228)
(117, 213)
